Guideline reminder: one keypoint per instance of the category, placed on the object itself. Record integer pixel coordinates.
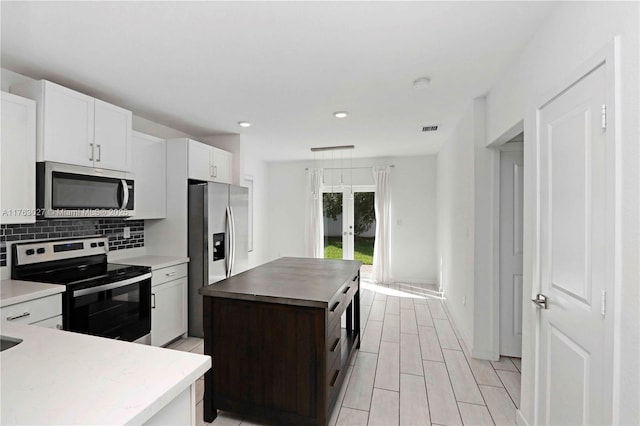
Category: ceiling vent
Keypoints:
(429, 128)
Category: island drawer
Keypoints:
(335, 377)
(334, 344)
(164, 275)
(341, 300)
(32, 311)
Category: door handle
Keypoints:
(540, 301)
(125, 194)
(99, 152)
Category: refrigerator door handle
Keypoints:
(227, 258)
(233, 240)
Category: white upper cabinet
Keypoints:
(74, 128)
(149, 167)
(112, 136)
(200, 166)
(208, 163)
(17, 160)
(221, 165)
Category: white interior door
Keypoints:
(511, 199)
(575, 240)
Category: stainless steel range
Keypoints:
(101, 298)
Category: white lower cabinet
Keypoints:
(168, 305)
(55, 322)
(42, 311)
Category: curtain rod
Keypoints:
(349, 168)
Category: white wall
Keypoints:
(455, 219)
(572, 33)
(256, 169)
(413, 211)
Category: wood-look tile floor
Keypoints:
(412, 368)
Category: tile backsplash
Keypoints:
(66, 228)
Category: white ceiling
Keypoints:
(200, 67)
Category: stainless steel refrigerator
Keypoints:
(218, 240)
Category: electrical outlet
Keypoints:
(126, 232)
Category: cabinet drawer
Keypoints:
(335, 377)
(334, 344)
(170, 273)
(341, 300)
(33, 310)
(55, 322)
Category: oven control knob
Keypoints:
(94, 245)
(29, 252)
(40, 250)
(101, 243)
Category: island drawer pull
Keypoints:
(335, 378)
(335, 345)
(355, 278)
(335, 306)
(170, 274)
(346, 290)
(15, 317)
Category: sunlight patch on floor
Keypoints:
(413, 292)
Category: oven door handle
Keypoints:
(111, 286)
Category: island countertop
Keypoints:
(59, 377)
(288, 280)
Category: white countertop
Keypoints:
(59, 377)
(154, 262)
(16, 291)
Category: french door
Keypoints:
(349, 223)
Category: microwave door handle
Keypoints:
(125, 192)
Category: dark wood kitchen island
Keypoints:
(279, 345)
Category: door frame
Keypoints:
(497, 146)
(608, 57)
(497, 244)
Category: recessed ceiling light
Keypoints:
(244, 124)
(340, 114)
(421, 83)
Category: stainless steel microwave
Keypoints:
(67, 191)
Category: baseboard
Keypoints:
(417, 281)
(520, 420)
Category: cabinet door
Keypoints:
(112, 136)
(149, 166)
(67, 125)
(200, 164)
(18, 160)
(221, 166)
(169, 311)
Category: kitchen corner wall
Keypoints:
(66, 228)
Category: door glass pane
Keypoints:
(364, 223)
(332, 212)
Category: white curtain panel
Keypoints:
(381, 249)
(314, 224)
